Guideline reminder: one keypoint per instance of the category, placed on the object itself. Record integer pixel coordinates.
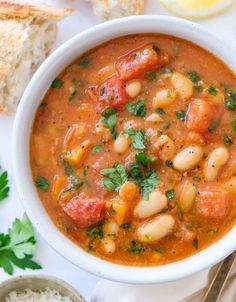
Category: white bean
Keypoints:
(121, 144)
(146, 208)
(215, 161)
(133, 88)
(188, 158)
(154, 118)
(108, 245)
(230, 184)
(163, 98)
(156, 229)
(111, 227)
(183, 86)
(165, 147)
(187, 194)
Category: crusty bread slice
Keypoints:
(27, 34)
(112, 9)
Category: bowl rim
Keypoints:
(20, 147)
(63, 284)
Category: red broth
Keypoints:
(133, 150)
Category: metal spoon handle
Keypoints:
(217, 284)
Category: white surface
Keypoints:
(52, 263)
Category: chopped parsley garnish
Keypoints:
(112, 210)
(214, 124)
(230, 102)
(212, 90)
(159, 133)
(126, 226)
(166, 70)
(160, 111)
(102, 91)
(72, 96)
(142, 159)
(114, 177)
(42, 183)
(4, 188)
(180, 115)
(18, 246)
(179, 210)
(43, 105)
(233, 123)
(135, 247)
(68, 168)
(95, 231)
(146, 180)
(137, 109)
(195, 78)
(75, 182)
(85, 169)
(170, 194)
(195, 243)
(96, 148)
(151, 76)
(169, 163)
(228, 140)
(57, 83)
(137, 138)
(83, 63)
(109, 121)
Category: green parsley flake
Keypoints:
(195, 243)
(137, 109)
(114, 177)
(214, 124)
(84, 62)
(109, 121)
(170, 194)
(181, 115)
(137, 137)
(233, 123)
(142, 159)
(169, 163)
(230, 102)
(96, 149)
(151, 76)
(4, 188)
(160, 111)
(212, 90)
(135, 247)
(95, 231)
(228, 140)
(126, 226)
(57, 83)
(42, 183)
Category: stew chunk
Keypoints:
(213, 201)
(85, 211)
(200, 114)
(141, 60)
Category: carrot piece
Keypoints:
(117, 209)
(128, 191)
(78, 154)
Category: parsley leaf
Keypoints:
(214, 124)
(96, 149)
(57, 83)
(126, 226)
(17, 247)
(67, 168)
(4, 188)
(195, 243)
(170, 194)
(160, 111)
(109, 121)
(114, 177)
(230, 102)
(228, 140)
(83, 63)
(233, 123)
(148, 183)
(42, 183)
(137, 109)
(212, 90)
(137, 137)
(151, 76)
(95, 231)
(135, 247)
(142, 159)
(169, 163)
(195, 78)
(180, 115)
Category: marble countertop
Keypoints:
(53, 264)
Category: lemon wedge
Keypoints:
(197, 9)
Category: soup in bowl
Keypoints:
(132, 151)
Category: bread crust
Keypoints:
(13, 10)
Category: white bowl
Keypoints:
(31, 99)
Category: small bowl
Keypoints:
(38, 283)
(24, 119)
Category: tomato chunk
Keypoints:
(213, 201)
(200, 115)
(85, 211)
(111, 93)
(139, 61)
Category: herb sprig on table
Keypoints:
(17, 246)
(4, 188)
